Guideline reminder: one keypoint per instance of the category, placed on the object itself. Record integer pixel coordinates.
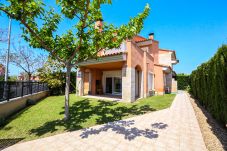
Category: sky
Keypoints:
(194, 29)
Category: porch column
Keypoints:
(79, 83)
(128, 84)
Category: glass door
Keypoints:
(117, 85)
(109, 85)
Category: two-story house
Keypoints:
(137, 69)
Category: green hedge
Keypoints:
(182, 81)
(209, 84)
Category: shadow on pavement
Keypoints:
(124, 128)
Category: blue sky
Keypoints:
(194, 29)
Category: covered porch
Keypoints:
(101, 77)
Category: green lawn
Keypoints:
(45, 118)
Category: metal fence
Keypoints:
(9, 90)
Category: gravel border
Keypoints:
(215, 136)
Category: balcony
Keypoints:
(114, 51)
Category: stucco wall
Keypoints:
(165, 59)
(16, 104)
(159, 80)
(134, 56)
(174, 86)
(155, 51)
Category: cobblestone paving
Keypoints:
(172, 129)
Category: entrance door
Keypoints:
(109, 85)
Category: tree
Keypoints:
(83, 41)
(2, 72)
(26, 59)
(51, 73)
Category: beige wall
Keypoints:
(159, 80)
(165, 59)
(174, 86)
(16, 104)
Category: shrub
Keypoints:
(2, 121)
(31, 102)
(183, 81)
(209, 84)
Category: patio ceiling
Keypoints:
(106, 66)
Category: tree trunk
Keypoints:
(67, 85)
(29, 82)
(29, 76)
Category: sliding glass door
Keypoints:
(109, 85)
(117, 85)
(113, 85)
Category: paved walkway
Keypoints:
(173, 129)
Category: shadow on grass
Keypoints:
(82, 111)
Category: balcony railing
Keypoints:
(122, 48)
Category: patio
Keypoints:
(115, 98)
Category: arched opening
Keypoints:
(138, 81)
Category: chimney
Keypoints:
(151, 36)
(99, 24)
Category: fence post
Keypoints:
(22, 90)
(8, 93)
(16, 84)
(30, 84)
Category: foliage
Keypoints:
(183, 81)
(84, 113)
(26, 59)
(12, 78)
(2, 121)
(53, 73)
(2, 78)
(209, 84)
(83, 41)
(2, 72)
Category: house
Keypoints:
(137, 69)
(24, 77)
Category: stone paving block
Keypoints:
(172, 129)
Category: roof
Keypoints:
(162, 65)
(138, 38)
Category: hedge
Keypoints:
(209, 84)
(183, 81)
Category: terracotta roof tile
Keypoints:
(138, 38)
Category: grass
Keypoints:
(45, 118)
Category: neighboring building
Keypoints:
(135, 70)
(2, 70)
(24, 77)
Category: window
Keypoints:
(150, 81)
